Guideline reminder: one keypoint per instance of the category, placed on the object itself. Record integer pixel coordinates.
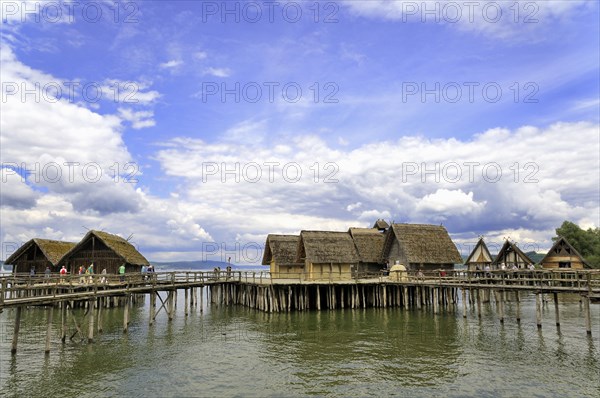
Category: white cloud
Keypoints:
(139, 119)
(518, 19)
(172, 64)
(218, 72)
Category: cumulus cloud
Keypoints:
(218, 72)
(520, 18)
(256, 187)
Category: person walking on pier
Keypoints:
(47, 273)
(63, 272)
(32, 271)
(90, 272)
(103, 279)
(81, 277)
(122, 272)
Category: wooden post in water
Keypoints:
(478, 299)
(100, 312)
(152, 308)
(587, 314)
(556, 309)
(201, 299)
(92, 315)
(518, 300)
(125, 314)
(15, 339)
(464, 302)
(50, 311)
(63, 321)
(186, 304)
(171, 298)
(538, 310)
(500, 303)
(318, 298)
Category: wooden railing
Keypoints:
(14, 285)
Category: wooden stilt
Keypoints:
(92, 315)
(517, 299)
(464, 302)
(555, 296)
(100, 314)
(587, 314)
(126, 314)
(15, 339)
(186, 304)
(63, 321)
(50, 311)
(500, 302)
(538, 310)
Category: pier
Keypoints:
(435, 291)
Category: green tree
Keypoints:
(586, 242)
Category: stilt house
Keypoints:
(510, 255)
(327, 255)
(480, 257)
(563, 255)
(39, 254)
(280, 254)
(106, 251)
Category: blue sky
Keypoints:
(385, 87)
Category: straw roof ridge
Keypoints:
(119, 245)
(327, 247)
(424, 243)
(53, 250)
(369, 244)
(281, 248)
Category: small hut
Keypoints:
(420, 246)
(280, 255)
(381, 225)
(511, 256)
(106, 251)
(327, 255)
(369, 244)
(563, 255)
(39, 254)
(479, 258)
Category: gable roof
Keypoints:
(484, 250)
(281, 248)
(423, 243)
(368, 243)
(120, 246)
(563, 241)
(507, 248)
(381, 224)
(53, 250)
(326, 247)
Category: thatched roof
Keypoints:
(120, 246)
(423, 243)
(507, 248)
(481, 248)
(281, 248)
(381, 224)
(369, 244)
(562, 242)
(327, 247)
(53, 250)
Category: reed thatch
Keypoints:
(369, 244)
(505, 252)
(282, 249)
(326, 247)
(381, 225)
(422, 244)
(119, 246)
(52, 250)
(484, 256)
(562, 248)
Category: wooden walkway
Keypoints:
(407, 290)
(19, 290)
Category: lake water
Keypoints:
(235, 351)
